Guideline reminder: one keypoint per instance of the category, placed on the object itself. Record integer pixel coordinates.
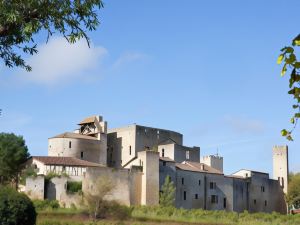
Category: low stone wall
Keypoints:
(35, 187)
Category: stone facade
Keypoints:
(138, 159)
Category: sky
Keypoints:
(206, 69)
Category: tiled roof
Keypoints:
(90, 119)
(197, 167)
(74, 135)
(65, 161)
(167, 159)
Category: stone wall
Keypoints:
(35, 187)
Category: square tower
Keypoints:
(281, 166)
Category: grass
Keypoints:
(167, 216)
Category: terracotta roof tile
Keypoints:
(74, 135)
(197, 167)
(90, 119)
(66, 161)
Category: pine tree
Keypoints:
(167, 195)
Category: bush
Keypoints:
(74, 187)
(16, 208)
(45, 204)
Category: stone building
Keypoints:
(138, 159)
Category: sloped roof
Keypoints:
(65, 161)
(74, 135)
(167, 159)
(90, 119)
(197, 167)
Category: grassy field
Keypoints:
(168, 216)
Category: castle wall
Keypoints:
(85, 149)
(34, 187)
(280, 166)
(126, 185)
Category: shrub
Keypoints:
(46, 204)
(74, 187)
(16, 208)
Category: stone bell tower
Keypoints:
(281, 166)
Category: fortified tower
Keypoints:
(214, 161)
(281, 166)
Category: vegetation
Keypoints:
(167, 215)
(45, 204)
(293, 196)
(16, 208)
(20, 20)
(291, 63)
(28, 172)
(74, 187)
(13, 155)
(96, 203)
(167, 196)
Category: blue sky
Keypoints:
(206, 69)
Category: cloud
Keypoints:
(59, 61)
(128, 57)
(244, 125)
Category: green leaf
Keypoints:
(295, 106)
(280, 58)
(283, 71)
(297, 115)
(284, 132)
(292, 120)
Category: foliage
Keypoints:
(74, 187)
(95, 197)
(293, 196)
(167, 195)
(28, 172)
(45, 204)
(13, 155)
(291, 63)
(20, 20)
(16, 208)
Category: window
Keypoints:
(199, 182)
(214, 199)
(282, 182)
(184, 195)
(182, 181)
(266, 202)
(224, 203)
(164, 163)
(196, 196)
(163, 152)
(70, 144)
(130, 150)
(81, 155)
(187, 154)
(254, 201)
(212, 185)
(262, 188)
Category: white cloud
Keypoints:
(59, 61)
(128, 58)
(244, 125)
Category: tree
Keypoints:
(95, 197)
(291, 63)
(16, 208)
(20, 20)
(13, 155)
(293, 196)
(167, 195)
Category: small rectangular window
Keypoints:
(196, 196)
(81, 155)
(224, 203)
(164, 163)
(187, 154)
(214, 199)
(254, 201)
(130, 150)
(182, 181)
(262, 189)
(184, 195)
(199, 182)
(266, 202)
(163, 152)
(70, 144)
(212, 185)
